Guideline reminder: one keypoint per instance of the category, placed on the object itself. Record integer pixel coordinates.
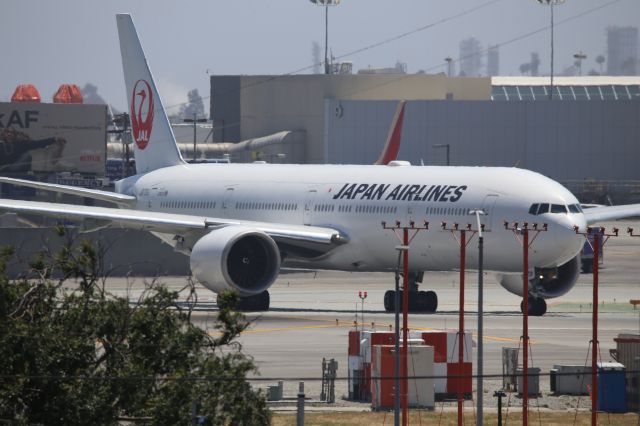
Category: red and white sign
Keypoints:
(142, 113)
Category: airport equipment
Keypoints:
(586, 256)
(570, 379)
(627, 353)
(329, 374)
(533, 379)
(275, 392)
(509, 368)
(420, 369)
(361, 344)
(612, 394)
(446, 361)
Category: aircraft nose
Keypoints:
(568, 242)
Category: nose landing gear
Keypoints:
(537, 306)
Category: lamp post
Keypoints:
(326, 4)
(579, 57)
(480, 368)
(551, 3)
(444, 145)
(448, 59)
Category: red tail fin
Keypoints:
(391, 148)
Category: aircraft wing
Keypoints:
(600, 214)
(300, 238)
(121, 199)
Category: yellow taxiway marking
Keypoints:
(342, 324)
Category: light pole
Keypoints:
(362, 296)
(579, 57)
(448, 59)
(479, 368)
(444, 145)
(551, 3)
(326, 4)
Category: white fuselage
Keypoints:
(356, 199)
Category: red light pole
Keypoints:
(597, 234)
(405, 240)
(462, 242)
(362, 296)
(526, 244)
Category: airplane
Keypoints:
(241, 223)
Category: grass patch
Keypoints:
(607, 307)
(450, 418)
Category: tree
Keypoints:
(83, 356)
(193, 106)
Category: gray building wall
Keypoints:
(263, 105)
(567, 141)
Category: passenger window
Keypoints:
(544, 208)
(534, 209)
(558, 208)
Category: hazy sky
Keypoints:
(48, 43)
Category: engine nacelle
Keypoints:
(545, 282)
(236, 257)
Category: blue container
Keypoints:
(612, 392)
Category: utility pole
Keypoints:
(600, 238)
(406, 240)
(523, 230)
(195, 120)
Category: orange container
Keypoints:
(26, 93)
(68, 94)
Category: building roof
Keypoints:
(566, 88)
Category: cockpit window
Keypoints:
(558, 208)
(534, 209)
(575, 208)
(544, 208)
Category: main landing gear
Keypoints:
(419, 301)
(258, 302)
(537, 306)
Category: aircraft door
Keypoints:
(488, 205)
(226, 198)
(308, 206)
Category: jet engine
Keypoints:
(236, 257)
(545, 283)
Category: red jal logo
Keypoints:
(142, 113)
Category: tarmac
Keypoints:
(312, 312)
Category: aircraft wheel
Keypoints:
(537, 307)
(256, 303)
(431, 301)
(389, 300)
